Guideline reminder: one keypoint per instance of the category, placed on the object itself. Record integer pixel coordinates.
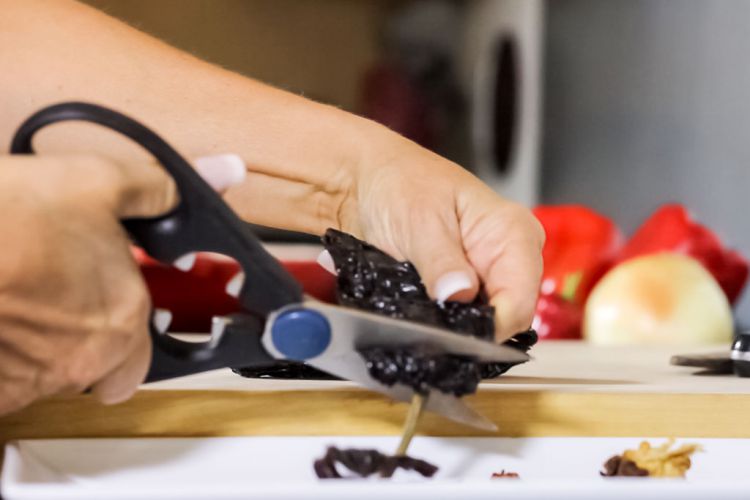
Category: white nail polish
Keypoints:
(326, 262)
(221, 171)
(450, 283)
(234, 286)
(162, 319)
(186, 262)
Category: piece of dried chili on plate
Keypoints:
(365, 462)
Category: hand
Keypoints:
(458, 233)
(73, 306)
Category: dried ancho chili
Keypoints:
(423, 371)
(365, 463)
(371, 280)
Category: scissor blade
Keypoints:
(353, 330)
(351, 366)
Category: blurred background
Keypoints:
(620, 106)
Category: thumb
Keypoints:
(150, 190)
(438, 254)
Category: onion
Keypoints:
(660, 298)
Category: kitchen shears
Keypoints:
(277, 321)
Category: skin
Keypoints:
(309, 167)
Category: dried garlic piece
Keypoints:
(659, 461)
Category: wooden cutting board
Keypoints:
(569, 389)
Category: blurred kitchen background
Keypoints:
(618, 105)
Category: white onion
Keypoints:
(661, 298)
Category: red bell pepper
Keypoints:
(579, 242)
(671, 229)
(581, 245)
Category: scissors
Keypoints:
(277, 322)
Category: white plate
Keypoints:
(281, 468)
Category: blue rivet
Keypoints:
(301, 334)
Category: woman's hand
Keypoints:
(412, 204)
(73, 306)
(310, 166)
(458, 233)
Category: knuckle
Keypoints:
(527, 224)
(80, 375)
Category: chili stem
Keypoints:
(410, 425)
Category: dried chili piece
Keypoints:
(364, 463)
(654, 461)
(423, 371)
(618, 466)
(503, 474)
(371, 280)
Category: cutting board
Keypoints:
(569, 389)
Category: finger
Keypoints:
(18, 380)
(434, 247)
(121, 383)
(281, 202)
(148, 190)
(512, 282)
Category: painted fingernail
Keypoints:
(186, 262)
(326, 262)
(221, 171)
(451, 283)
(162, 319)
(234, 286)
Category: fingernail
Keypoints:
(221, 171)
(326, 262)
(451, 283)
(162, 319)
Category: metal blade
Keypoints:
(351, 366)
(352, 330)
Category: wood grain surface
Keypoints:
(569, 389)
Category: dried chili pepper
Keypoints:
(503, 474)
(365, 463)
(423, 371)
(619, 466)
(371, 280)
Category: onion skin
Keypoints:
(663, 298)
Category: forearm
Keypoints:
(299, 153)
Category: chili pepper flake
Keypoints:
(503, 474)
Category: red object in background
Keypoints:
(195, 296)
(580, 247)
(581, 243)
(557, 318)
(671, 229)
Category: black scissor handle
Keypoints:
(201, 221)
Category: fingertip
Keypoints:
(221, 171)
(122, 383)
(107, 396)
(511, 318)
